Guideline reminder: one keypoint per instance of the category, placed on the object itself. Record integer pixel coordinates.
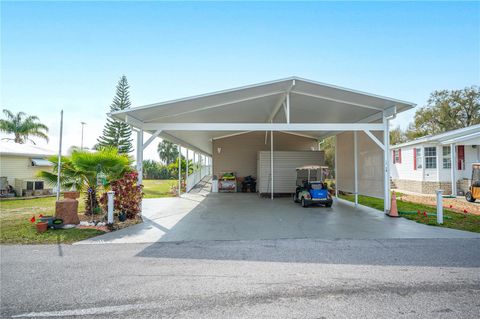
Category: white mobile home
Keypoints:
(433, 162)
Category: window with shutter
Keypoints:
(418, 160)
(461, 157)
(397, 156)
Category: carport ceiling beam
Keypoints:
(285, 98)
(277, 107)
(150, 140)
(338, 100)
(178, 141)
(375, 139)
(315, 127)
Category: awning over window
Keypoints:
(41, 162)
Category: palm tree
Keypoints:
(81, 169)
(22, 127)
(167, 151)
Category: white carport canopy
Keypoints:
(293, 105)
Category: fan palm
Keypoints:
(167, 151)
(22, 126)
(81, 169)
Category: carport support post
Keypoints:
(186, 171)
(140, 156)
(271, 164)
(386, 163)
(355, 165)
(179, 170)
(336, 168)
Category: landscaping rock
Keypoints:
(67, 210)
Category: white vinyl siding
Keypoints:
(284, 169)
(405, 170)
(19, 167)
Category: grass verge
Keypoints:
(15, 214)
(455, 220)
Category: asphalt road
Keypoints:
(407, 278)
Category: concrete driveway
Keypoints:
(239, 216)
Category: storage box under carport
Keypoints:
(284, 169)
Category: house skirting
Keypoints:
(425, 187)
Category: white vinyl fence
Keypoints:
(194, 178)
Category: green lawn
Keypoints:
(453, 220)
(154, 188)
(15, 226)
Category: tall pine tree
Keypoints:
(115, 133)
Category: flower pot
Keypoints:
(47, 219)
(71, 195)
(41, 227)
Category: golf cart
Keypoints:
(474, 191)
(310, 186)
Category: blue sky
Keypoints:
(70, 55)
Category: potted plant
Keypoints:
(42, 225)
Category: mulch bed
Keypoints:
(453, 204)
(117, 225)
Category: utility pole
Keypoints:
(59, 164)
(81, 145)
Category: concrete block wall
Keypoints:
(422, 187)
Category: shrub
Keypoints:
(155, 170)
(80, 171)
(128, 195)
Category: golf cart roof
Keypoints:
(311, 167)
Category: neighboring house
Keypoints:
(19, 165)
(433, 162)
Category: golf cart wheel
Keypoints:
(328, 205)
(295, 199)
(304, 202)
(469, 197)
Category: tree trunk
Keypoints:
(18, 139)
(91, 202)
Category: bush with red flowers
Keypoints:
(128, 195)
